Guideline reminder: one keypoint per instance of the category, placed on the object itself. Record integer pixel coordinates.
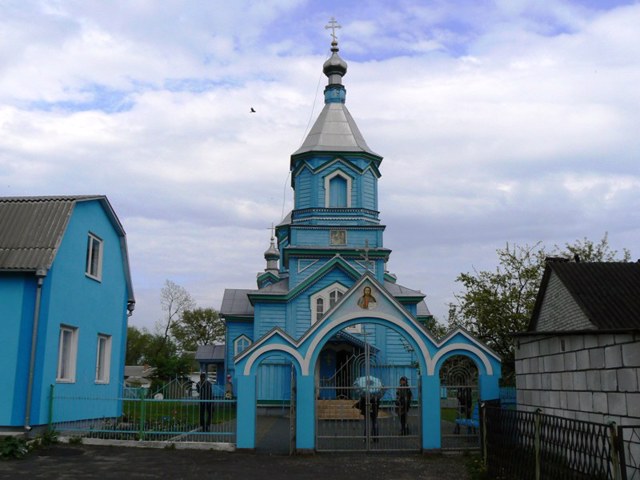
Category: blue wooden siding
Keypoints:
(304, 189)
(271, 315)
(369, 194)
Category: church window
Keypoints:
(320, 307)
(337, 190)
(240, 344)
(324, 300)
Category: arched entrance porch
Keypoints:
(304, 354)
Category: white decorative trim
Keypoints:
(327, 185)
(460, 346)
(273, 348)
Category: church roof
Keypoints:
(235, 302)
(335, 130)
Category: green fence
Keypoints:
(144, 417)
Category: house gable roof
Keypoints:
(607, 292)
(32, 229)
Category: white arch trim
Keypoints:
(322, 332)
(460, 346)
(272, 348)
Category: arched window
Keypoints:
(240, 344)
(324, 300)
(337, 190)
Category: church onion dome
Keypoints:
(335, 68)
(272, 255)
(272, 252)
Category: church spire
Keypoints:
(334, 130)
(272, 255)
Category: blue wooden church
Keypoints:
(327, 322)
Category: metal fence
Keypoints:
(532, 445)
(145, 417)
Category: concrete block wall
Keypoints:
(593, 377)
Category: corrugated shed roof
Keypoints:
(31, 229)
(210, 352)
(607, 292)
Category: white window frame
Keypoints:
(67, 354)
(325, 297)
(327, 187)
(94, 266)
(237, 342)
(103, 358)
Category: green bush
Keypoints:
(13, 447)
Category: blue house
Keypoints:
(65, 294)
(326, 313)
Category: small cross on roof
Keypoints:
(333, 24)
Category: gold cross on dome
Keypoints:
(333, 24)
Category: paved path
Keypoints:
(104, 463)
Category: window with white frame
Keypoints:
(322, 301)
(240, 344)
(337, 188)
(94, 257)
(67, 354)
(103, 358)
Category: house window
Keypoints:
(67, 354)
(94, 257)
(103, 358)
(241, 343)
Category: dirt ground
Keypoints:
(63, 461)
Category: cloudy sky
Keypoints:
(499, 121)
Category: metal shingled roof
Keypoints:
(335, 130)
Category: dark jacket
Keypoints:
(205, 390)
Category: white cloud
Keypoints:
(508, 122)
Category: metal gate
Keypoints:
(459, 405)
(356, 408)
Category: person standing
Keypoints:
(228, 389)
(403, 404)
(205, 391)
(372, 407)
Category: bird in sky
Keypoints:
(252, 110)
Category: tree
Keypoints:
(156, 351)
(175, 300)
(200, 326)
(496, 304)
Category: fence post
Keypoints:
(142, 413)
(615, 454)
(483, 429)
(50, 423)
(536, 441)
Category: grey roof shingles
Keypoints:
(607, 292)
